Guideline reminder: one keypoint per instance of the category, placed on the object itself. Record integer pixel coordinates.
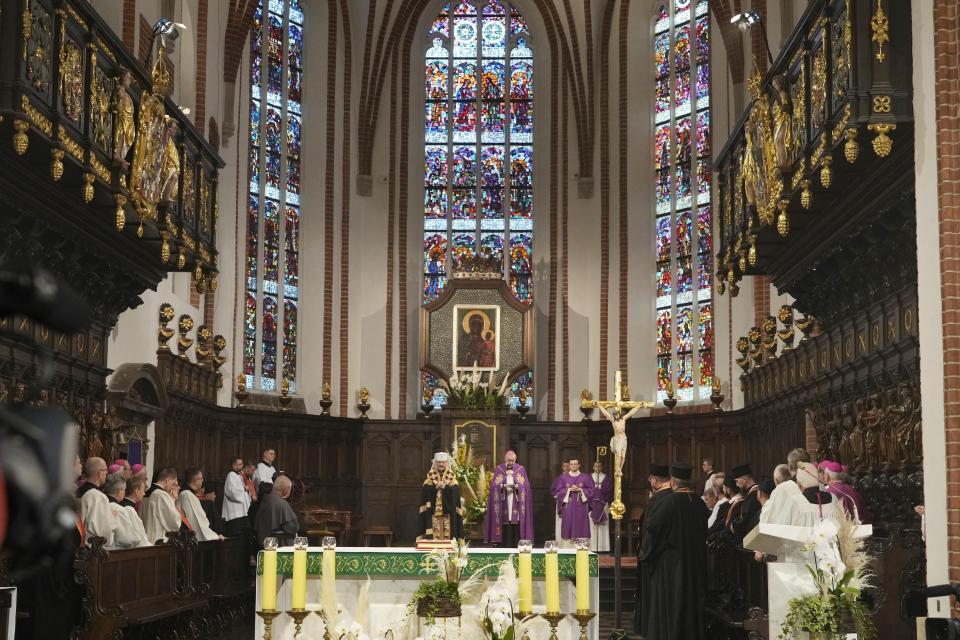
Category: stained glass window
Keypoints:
(683, 222)
(478, 152)
(270, 317)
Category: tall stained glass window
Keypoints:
(273, 198)
(684, 244)
(478, 148)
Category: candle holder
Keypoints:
(583, 618)
(298, 615)
(268, 615)
(326, 625)
(553, 619)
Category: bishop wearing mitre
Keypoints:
(441, 510)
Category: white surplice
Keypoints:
(236, 498)
(159, 515)
(95, 512)
(129, 531)
(600, 533)
(193, 511)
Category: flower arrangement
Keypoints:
(474, 479)
(443, 596)
(468, 391)
(496, 604)
(840, 572)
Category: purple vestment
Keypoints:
(603, 495)
(575, 516)
(851, 500)
(499, 505)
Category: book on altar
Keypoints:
(434, 545)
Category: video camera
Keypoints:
(936, 628)
(38, 444)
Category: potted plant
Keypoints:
(468, 391)
(475, 481)
(496, 603)
(441, 597)
(840, 572)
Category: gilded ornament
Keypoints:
(752, 252)
(204, 203)
(71, 77)
(842, 42)
(125, 129)
(841, 123)
(734, 290)
(798, 100)
(70, 145)
(152, 160)
(721, 286)
(881, 104)
(731, 277)
(101, 89)
(197, 272)
(880, 26)
(806, 200)
(785, 315)
(56, 164)
(882, 143)
(212, 284)
(27, 26)
(170, 188)
(181, 260)
(742, 262)
(140, 228)
(164, 247)
(120, 219)
(184, 325)
(39, 120)
(782, 123)
(783, 221)
(826, 172)
(851, 148)
(189, 193)
(20, 139)
(37, 44)
(164, 333)
(818, 89)
(86, 190)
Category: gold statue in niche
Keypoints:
(170, 170)
(71, 78)
(782, 122)
(748, 170)
(125, 128)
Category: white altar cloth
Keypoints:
(389, 596)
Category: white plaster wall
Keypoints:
(931, 330)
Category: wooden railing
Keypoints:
(823, 129)
(81, 110)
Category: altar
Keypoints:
(395, 574)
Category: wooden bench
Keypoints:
(128, 587)
(221, 570)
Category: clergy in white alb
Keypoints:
(236, 501)
(94, 505)
(265, 473)
(159, 511)
(190, 507)
(128, 531)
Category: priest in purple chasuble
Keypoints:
(509, 506)
(574, 491)
(600, 508)
(553, 494)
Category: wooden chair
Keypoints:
(378, 532)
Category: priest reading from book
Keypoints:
(441, 509)
(509, 505)
(574, 490)
(673, 561)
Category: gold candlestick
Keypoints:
(583, 618)
(268, 615)
(554, 619)
(298, 615)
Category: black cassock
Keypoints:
(672, 568)
(655, 502)
(749, 515)
(450, 508)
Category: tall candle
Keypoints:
(298, 594)
(268, 584)
(328, 584)
(552, 571)
(525, 570)
(583, 580)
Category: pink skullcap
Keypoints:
(137, 468)
(833, 467)
(114, 468)
(121, 462)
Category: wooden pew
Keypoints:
(221, 570)
(127, 587)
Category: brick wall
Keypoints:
(947, 62)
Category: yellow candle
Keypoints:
(328, 585)
(526, 582)
(583, 580)
(553, 582)
(298, 596)
(268, 584)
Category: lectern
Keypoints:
(788, 577)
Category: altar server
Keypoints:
(159, 511)
(128, 531)
(265, 472)
(600, 509)
(564, 467)
(441, 508)
(509, 505)
(236, 501)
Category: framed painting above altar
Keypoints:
(476, 337)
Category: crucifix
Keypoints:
(613, 410)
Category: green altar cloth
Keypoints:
(402, 562)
